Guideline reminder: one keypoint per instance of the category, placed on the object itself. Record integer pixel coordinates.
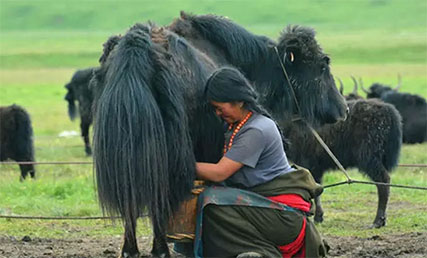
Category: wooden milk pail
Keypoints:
(182, 226)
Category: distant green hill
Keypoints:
(69, 33)
(112, 16)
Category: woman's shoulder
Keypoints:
(262, 122)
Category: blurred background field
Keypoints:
(43, 42)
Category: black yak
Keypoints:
(256, 57)
(148, 129)
(304, 62)
(354, 95)
(376, 90)
(412, 108)
(78, 90)
(16, 138)
(152, 122)
(370, 140)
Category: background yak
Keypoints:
(354, 95)
(412, 108)
(16, 138)
(78, 90)
(370, 140)
(153, 110)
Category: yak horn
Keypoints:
(361, 85)
(355, 85)
(399, 82)
(341, 86)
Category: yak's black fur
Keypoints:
(306, 64)
(78, 90)
(370, 140)
(412, 108)
(151, 126)
(16, 138)
(142, 154)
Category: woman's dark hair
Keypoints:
(228, 84)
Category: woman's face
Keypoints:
(230, 112)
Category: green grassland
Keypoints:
(43, 42)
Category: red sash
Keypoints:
(297, 247)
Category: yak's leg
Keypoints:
(84, 127)
(25, 169)
(318, 215)
(383, 195)
(130, 245)
(160, 246)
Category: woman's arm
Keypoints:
(217, 172)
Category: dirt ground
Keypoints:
(400, 245)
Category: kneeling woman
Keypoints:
(262, 210)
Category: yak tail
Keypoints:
(142, 148)
(72, 113)
(24, 134)
(394, 139)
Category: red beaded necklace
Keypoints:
(236, 130)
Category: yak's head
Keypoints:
(308, 68)
(354, 95)
(377, 90)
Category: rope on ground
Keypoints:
(58, 217)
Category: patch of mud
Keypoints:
(399, 245)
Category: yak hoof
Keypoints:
(378, 223)
(126, 255)
(88, 151)
(318, 219)
(160, 253)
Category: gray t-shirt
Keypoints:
(258, 146)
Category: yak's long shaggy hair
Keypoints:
(16, 137)
(152, 125)
(306, 64)
(370, 140)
